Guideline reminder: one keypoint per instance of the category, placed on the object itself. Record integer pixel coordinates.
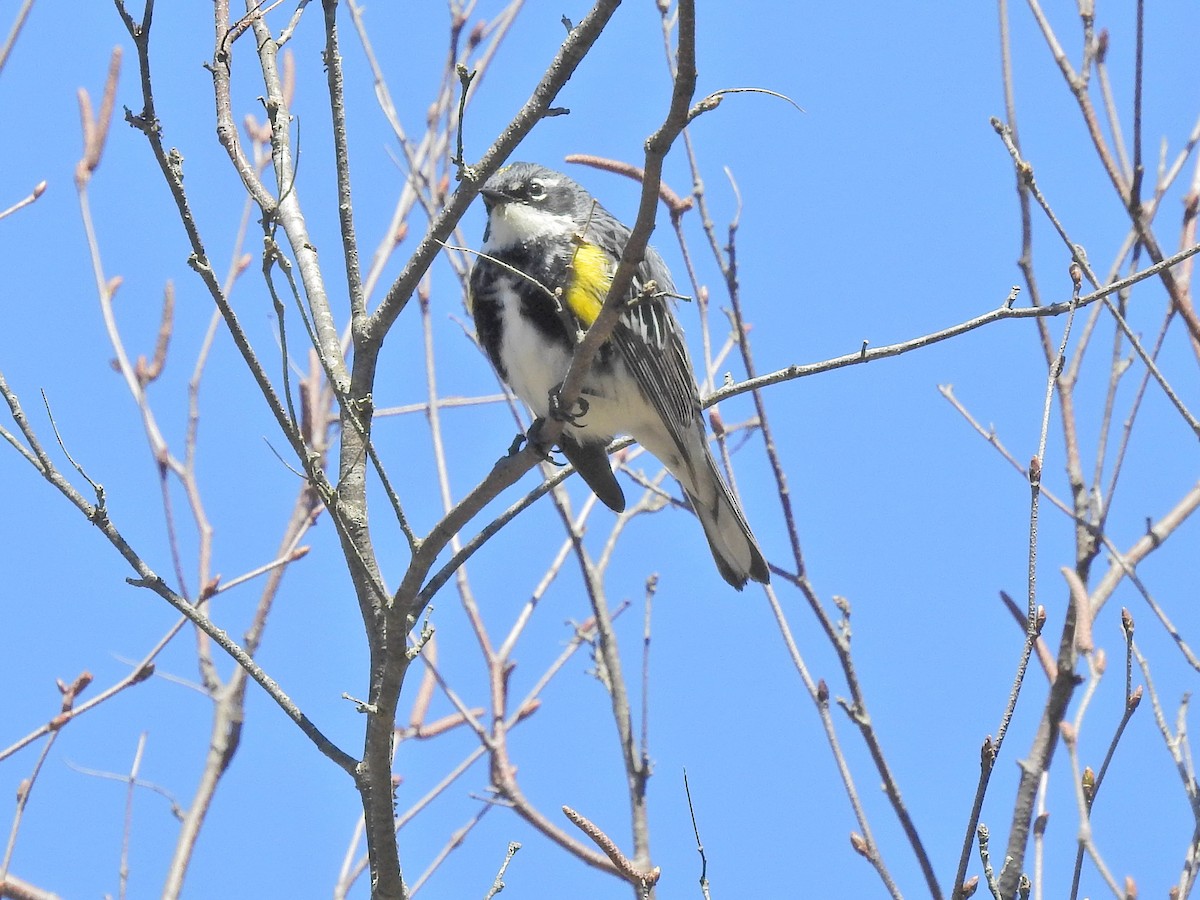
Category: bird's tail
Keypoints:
(733, 546)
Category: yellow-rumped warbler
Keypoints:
(549, 253)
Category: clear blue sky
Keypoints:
(885, 211)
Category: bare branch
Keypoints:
(14, 33)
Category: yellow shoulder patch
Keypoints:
(589, 278)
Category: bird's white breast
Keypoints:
(534, 366)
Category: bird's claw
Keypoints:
(536, 444)
(562, 415)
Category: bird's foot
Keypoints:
(539, 446)
(560, 414)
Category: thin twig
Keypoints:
(859, 357)
(632, 873)
(15, 32)
(498, 884)
(38, 190)
(127, 830)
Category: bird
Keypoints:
(548, 256)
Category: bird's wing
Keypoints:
(647, 335)
(651, 341)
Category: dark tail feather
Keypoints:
(733, 545)
(591, 461)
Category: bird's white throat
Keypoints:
(510, 224)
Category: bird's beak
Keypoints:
(492, 197)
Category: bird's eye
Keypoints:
(536, 191)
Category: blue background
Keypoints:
(885, 211)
